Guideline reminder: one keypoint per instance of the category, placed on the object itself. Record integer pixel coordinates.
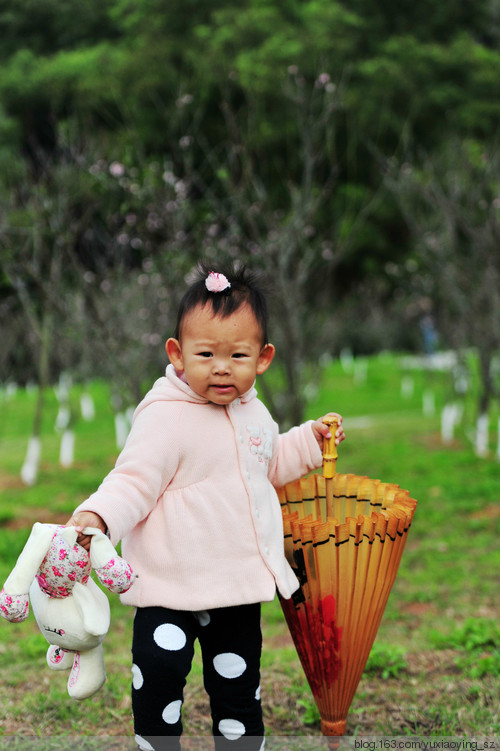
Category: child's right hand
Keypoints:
(321, 430)
(85, 519)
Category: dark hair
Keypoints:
(246, 287)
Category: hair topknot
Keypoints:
(246, 287)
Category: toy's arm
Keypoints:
(14, 608)
(111, 570)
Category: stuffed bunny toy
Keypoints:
(71, 611)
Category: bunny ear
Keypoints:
(28, 563)
(101, 548)
(69, 535)
(111, 570)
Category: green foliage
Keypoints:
(479, 639)
(126, 65)
(461, 73)
(11, 540)
(386, 660)
(472, 635)
(46, 26)
(34, 647)
(423, 20)
(479, 665)
(311, 715)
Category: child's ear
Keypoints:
(174, 352)
(265, 358)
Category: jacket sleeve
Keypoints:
(295, 454)
(142, 471)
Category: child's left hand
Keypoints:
(321, 430)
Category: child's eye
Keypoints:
(205, 354)
(239, 354)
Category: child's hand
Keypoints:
(85, 519)
(321, 430)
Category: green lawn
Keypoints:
(435, 667)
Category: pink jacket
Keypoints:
(192, 499)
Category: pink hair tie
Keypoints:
(217, 282)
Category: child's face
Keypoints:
(220, 357)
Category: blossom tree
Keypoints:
(451, 202)
(34, 236)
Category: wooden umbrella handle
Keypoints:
(330, 453)
(330, 462)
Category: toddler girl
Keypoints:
(192, 498)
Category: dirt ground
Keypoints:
(396, 706)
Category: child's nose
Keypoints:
(221, 365)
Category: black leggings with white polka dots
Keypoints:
(162, 651)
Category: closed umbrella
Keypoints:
(344, 538)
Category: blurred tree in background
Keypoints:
(137, 137)
(452, 205)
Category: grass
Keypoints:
(435, 667)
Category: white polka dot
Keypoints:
(172, 712)
(137, 677)
(169, 637)
(231, 729)
(143, 744)
(229, 665)
(257, 694)
(203, 617)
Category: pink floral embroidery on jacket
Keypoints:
(260, 443)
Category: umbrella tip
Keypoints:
(333, 729)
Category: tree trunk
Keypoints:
(487, 389)
(29, 471)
